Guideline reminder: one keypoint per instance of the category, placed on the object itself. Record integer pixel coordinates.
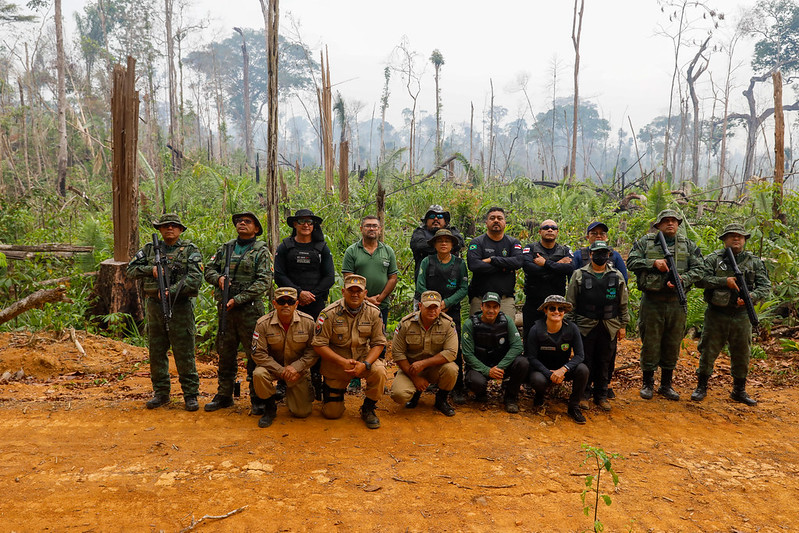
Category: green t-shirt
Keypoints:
(376, 267)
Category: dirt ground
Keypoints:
(79, 452)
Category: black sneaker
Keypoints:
(191, 403)
(511, 405)
(370, 418)
(157, 401)
(576, 414)
(219, 402)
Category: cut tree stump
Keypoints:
(114, 292)
(34, 301)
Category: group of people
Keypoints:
(575, 310)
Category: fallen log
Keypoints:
(21, 252)
(34, 301)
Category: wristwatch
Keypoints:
(368, 366)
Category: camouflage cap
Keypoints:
(557, 300)
(443, 232)
(251, 215)
(666, 213)
(429, 298)
(286, 292)
(599, 245)
(492, 297)
(354, 280)
(169, 218)
(734, 227)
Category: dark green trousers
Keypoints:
(238, 331)
(662, 328)
(721, 328)
(180, 338)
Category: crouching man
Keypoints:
(282, 350)
(424, 347)
(349, 338)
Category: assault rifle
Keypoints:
(163, 283)
(743, 290)
(678, 286)
(225, 291)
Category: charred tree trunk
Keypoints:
(779, 148)
(61, 183)
(344, 172)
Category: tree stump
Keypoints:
(114, 292)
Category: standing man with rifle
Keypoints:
(665, 264)
(241, 273)
(172, 274)
(734, 280)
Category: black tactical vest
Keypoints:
(304, 265)
(599, 297)
(442, 278)
(491, 341)
(551, 354)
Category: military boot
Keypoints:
(368, 414)
(648, 387)
(280, 390)
(157, 401)
(739, 392)
(442, 404)
(219, 402)
(270, 412)
(665, 389)
(511, 402)
(414, 401)
(701, 388)
(191, 404)
(459, 396)
(316, 382)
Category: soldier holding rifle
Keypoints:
(250, 275)
(172, 274)
(734, 280)
(661, 320)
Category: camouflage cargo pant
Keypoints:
(662, 327)
(721, 328)
(238, 331)
(180, 338)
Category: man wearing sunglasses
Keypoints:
(349, 338)
(250, 277)
(435, 219)
(598, 295)
(547, 267)
(282, 351)
(183, 262)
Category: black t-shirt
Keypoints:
(500, 274)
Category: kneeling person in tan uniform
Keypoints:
(282, 350)
(349, 338)
(424, 347)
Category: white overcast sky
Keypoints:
(625, 66)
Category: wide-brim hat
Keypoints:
(303, 213)
(555, 299)
(169, 218)
(438, 210)
(735, 227)
(253, 216)
(443, 232)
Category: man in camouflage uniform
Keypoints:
(282, 350)
(424, 347)
(349, 338)
(182, 261)
(726, 320)
(250, 278)
(661, 320)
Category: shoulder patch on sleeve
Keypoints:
(517, 246)
(140, 255)
(472, 247)
(319, 322)
(196, 257)
(526, 250)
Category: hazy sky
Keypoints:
(625, 66)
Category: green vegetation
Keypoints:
(600, 460)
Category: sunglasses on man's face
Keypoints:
(544, 228)
(556, 308)
(433, 216)
(305, 221)
(170, 225)
(247, 221)
(286, 301)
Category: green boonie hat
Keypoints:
(286, 292)
(599, 245)
(492, 297)
(169, 218)
(430, 298)
(555, 299)
(443, 232)
(251, 215)
(668, 213)
(735, 227)
(354, 280)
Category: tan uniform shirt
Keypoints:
(414, 343)
(350, 336)
(275, 347)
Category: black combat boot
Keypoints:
(648, 388)
(280, 390)
(576, 414)
(739, 392)
(219, 402)
(665, 389)
(157, 401)
(459, 396)
(701, 388)
(442, 404)
(270, 412)
(414, 401)
(368, 414)
(511, 402)
(191, 404)
(316, 382)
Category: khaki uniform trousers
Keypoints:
(444, 376)
(336, 378)
(299, 397)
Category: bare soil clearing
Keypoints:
(80, 452)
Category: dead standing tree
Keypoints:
(270, 14)
(324, 98)
(692, 76)
(62, 101)
(779, 149)
(247, 119)
(577, 30)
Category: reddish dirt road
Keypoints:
(80, 453)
